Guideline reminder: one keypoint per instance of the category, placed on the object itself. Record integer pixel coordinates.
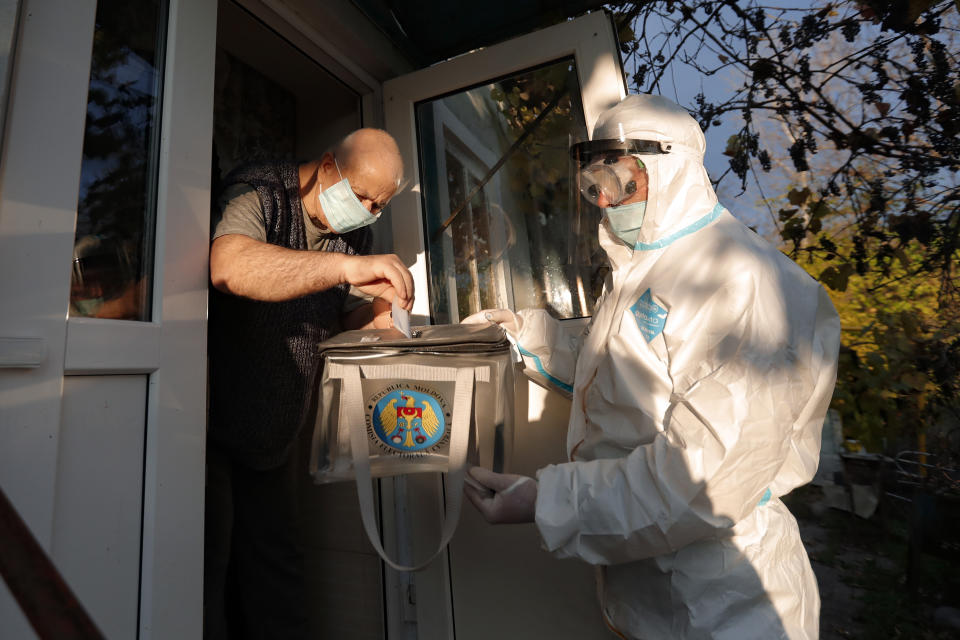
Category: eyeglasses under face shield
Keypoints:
(604, 171)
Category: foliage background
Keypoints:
(840, 124)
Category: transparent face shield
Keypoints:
(609, 168)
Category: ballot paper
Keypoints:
(401, 319)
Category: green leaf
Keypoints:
(837, 278)
(733, 146)
(875, 360)
(786, 214)
(820, 210)
(762, 69)
(797, 196)
(831, 277)
(793, 230)
(914, 380)
(910, 324)
(858, 139)
(917, 7)
(900, 254)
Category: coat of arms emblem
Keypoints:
(408, 420)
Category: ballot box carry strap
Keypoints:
(459, 442)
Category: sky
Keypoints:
(682, 84)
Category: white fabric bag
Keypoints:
(390, 405)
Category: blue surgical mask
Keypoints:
(626, 219)
(86, 307)
(342, 207)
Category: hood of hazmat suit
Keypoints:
(699, 394)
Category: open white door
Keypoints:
(491, 220)
(102, 421)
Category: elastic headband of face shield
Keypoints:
(585, 152)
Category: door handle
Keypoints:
(22, 352)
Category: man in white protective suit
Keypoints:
(699, 392)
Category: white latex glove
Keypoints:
(507, 498)
(507, 319)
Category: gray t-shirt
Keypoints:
(240, 212)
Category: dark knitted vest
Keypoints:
(263, 355)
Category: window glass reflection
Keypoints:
(505, 225)
(113, 249)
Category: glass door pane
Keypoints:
(116, 212)
(504, 226)
(9, 11)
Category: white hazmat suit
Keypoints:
(699, 394)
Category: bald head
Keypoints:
(369, 159)
(367, 151)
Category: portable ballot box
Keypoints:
(389, 405)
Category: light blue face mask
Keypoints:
(87, 307)
(626, 219)
(342, 207)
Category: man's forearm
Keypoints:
(252, 269)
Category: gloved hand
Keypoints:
(509, 498)
(507, 319)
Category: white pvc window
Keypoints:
(503, 224)
(493, 218)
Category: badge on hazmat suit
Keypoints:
(651, 317)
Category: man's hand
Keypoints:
(373, 315)
(510, 499)
(382, 276)
(382, 318)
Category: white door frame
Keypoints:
(588, 39)
(171, 603)
(39, 178)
